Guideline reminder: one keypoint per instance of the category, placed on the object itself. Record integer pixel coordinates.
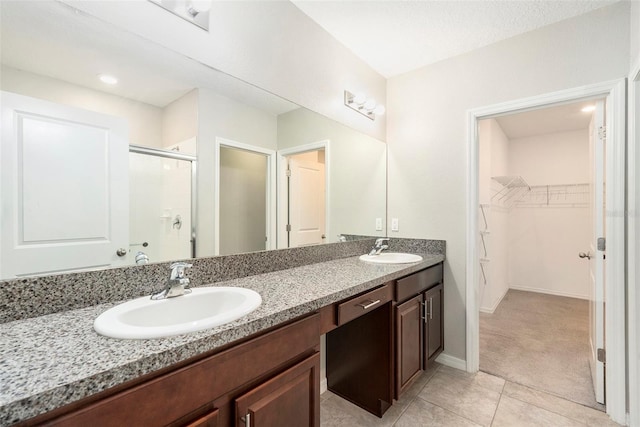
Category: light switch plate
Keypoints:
(378, 224)
(394, 224)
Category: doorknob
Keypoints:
(583, 255)
(121, 252)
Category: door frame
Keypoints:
(614, 91)
(283, 200)
(633, 246)
(271, 190)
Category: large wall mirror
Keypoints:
(174, 159)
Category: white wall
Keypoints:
(494, 151)
(544, 242)
(557, 158)
(271, 44)
(357, 170)
(219, 116)
(145, 121)
(427, 126)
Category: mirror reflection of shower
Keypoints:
(161, 203)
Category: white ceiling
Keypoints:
(396, 36)
(560, 118)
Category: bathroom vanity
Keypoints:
(263, 369)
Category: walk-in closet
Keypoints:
(536, 223)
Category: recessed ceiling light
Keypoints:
(106, 78)
(588, 108)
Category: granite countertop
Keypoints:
(52, 360)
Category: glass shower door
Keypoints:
(161, 205)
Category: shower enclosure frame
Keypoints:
(174, 155)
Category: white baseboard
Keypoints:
(452, 362)
(323, 385)
(548, 291)
(490, 310)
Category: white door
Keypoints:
(596, 260)
(306, 202)
(64, 188)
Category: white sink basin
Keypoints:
(391, 258)
(203, 308)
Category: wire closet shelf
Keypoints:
(508, 190)
(557, 195)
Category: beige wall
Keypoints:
(243, 201)
(180, 120)
(357, 170)
(271, 44)
(494, 161)
(222, 117)
(427, 126)
(634, 45)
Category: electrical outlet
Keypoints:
(378, 224)
(394, 224)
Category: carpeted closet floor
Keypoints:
(540, 341)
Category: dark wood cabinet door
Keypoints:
(207, 420)
(408, 320)
(291, 398)
(434, 336)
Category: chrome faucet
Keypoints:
(380, 245)
(178, 283)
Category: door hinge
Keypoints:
(288, 173)
(602, 355)
(602, 132)
(288, 227)
(602, 244)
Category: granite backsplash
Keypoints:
(37, 296)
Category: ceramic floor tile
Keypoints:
(462, 396)
(482, 379)
(512, 412)
(540, 341)
(422, 413)
(336, 411)
(575, 411)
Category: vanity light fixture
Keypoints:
(588, 109)
(364, 106)
(194, 11)
(108, 79)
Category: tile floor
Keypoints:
(444, 396)
(541, 341)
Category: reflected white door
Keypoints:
(64, 187)
(306, 202)
(597, 260)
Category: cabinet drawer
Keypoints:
(363, 304)
(418, 282)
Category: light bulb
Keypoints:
(200, 5)
(379, 110)
(359, 98)
(370, 105)
(106, 78)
